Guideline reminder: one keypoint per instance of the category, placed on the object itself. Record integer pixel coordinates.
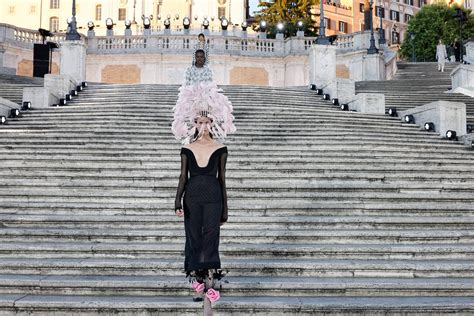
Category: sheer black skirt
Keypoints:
(202, 215)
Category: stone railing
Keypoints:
(25, 38)
(345, 41)
(184, 44)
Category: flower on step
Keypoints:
(213, 295)
(199, 287)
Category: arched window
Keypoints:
(54, 24)
(54, 4)
(98, 12)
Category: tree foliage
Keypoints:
(431, 23)
(288, 12)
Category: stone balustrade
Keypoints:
(25, 38)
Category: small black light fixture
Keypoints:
(224, 24)
(73, 93)
(90, 25)
(84, 84)
(392, 112)
(186, 23)
(300, 25)
(3, 120)
(429, 126)
(128, 24)
(244, 26)
(409, 119)
(451, 135)
(319, 91)
(109, 23)
(167, 23)
(62, 101)
(205, 23)
(280, 27)
(344, 107)
(335, 101)
(313, 87)
(263, 26)
(470, 128)
(79, 88)
(146, 23)
(26, 106)
(326, 97)
(68, 97)
(14, 113)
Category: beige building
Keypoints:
(53, 14)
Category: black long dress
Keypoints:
(205, 207)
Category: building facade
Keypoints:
(53, 14)
(347, 16)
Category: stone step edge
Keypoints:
(247, 305)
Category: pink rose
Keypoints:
(213, 295)
(199, 287)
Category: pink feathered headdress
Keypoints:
(203, 99)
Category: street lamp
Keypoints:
(372, 49)
(322, 39)
(413, 55)
(381, 31)
(461, 16)
(72, 34)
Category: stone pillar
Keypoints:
(444, 115)
(73, 60)
(371, 103)
(462, 77)
(373, 67)
(342, 89)
(469, 52)
(322, 63)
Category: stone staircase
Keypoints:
(416, 84)
(330, 211)
(11, 87)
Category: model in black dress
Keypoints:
(205, 204)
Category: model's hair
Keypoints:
(200, 51)
(201, 34)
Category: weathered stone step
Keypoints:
(285, 196)
(277, 190)
(234, 286)
(237, 156)
(137, 250)
(269, 207)
(43, 305)
(316, 209)
(350, 145)
(243, 267)
(242, 175)
(101, 221)
(239, 235)
(278, 182)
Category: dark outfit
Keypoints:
(457, 51)
(205, 207)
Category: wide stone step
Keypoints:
(243, 267)
(322, 208)
(137, 250)
(31, 220)
(240, 235)
(43, 305)
(234, 286)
